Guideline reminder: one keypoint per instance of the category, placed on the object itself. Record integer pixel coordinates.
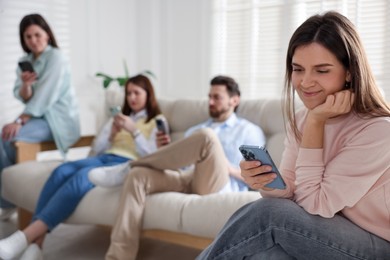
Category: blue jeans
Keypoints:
(36, 130)
(278, 229)
(66, 186)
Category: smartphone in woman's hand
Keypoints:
(115, 110)
(161, 125)
(26, 66)
(257, 153)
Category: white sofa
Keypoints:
(186, 219)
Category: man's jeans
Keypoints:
(278, 229)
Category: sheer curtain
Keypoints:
(250, 38)
(11, 12)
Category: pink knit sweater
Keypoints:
(351, 174)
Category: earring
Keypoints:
(347, 85)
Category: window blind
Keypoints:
(250, 38)
(56, 14)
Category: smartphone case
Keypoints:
(257, 153)
(26, 66)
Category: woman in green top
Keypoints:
(50, 111)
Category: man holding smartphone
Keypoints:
(211, 147)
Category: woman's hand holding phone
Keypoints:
(162, 139)
(162, 136)
(26, 91)
(258, 170)
(124, 122)
(28, 77)
(256, 175)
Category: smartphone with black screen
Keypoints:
(259, 153)
(161, 125)
(26, 66)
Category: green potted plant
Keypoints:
(121, 80)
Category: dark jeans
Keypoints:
(278, 229)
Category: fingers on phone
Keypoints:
(249, 164)
(264, 178)
(260, 181)
(162, 139)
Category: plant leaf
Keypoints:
(126, 69)
(150, 73)
(106, 82)
(99, 74)
(122, 80)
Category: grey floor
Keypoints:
(84, 242)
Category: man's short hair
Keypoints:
(231, 85)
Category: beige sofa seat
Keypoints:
(170, 211)
(186, 219)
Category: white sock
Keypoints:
(33, 252)
(13, 245)
(110, 176)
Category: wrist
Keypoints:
(135, 133)
(314, 119)
(19, 121)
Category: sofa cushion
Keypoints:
(193, 214)
(267, 113)
(183, 114)
(170, 211)
(22, 183)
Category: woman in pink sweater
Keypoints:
(336, 163)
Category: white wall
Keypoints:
(168, 37)
(101, 38)
(173, 41)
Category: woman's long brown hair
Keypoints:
(35, 19)
(152, 107)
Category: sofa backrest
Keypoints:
(266, 113)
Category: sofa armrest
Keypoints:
(28, 151)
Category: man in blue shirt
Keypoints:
(232, 131)
(211, 147)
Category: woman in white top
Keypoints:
(133, 135)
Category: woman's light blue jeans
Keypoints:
(66, 186)
(36, 130)
(279, 229)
